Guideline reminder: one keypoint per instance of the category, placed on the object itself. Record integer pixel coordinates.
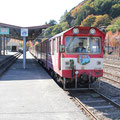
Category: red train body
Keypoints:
(63, 56)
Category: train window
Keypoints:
(54, 46)
(94, 45)
(77, 45)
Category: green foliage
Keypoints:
(57, 29)
(96, 21)
(115, 10)
(52, 22)
(116, 2)
(94, 13)
(96, 7)
(102, 6)
(102, 20)
(48, 31)
(66, 18)
(20, 44)
(28, 44)
(64, 25)
(83, 13)
(88, 21)
(51, 31)
(62, 18)
(115, 25)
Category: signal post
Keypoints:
(24, 34)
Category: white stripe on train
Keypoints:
(92, 65)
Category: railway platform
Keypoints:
(31, 94)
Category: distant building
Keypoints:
(13, 45)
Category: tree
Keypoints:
(64, 25)
(115, 10)
(115, 25)
(52, 22)
(102, 20)
(83, 13)
(57, 29)
(88, 21)
(66, 18)
(62, 18)
(28, 44)
(48, 31)
(106, 5)
(102, 6)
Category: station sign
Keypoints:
(24, 32)
(4, 31)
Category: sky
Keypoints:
(26, 13)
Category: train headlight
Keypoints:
(75, 31)
(92, 31)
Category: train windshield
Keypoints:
(77, 45)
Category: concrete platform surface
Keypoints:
(31, 94)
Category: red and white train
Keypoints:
(74, 56)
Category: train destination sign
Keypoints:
(24, 32)
(4, 31)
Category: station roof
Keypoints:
(15, 31)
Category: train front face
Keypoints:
(83, 56)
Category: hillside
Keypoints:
(92, 13)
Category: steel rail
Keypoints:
(86, 109)
(112, 74)
(89, 112)
(111, 65)
(108, 99)
(111, 80)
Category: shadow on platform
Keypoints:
(33, 71)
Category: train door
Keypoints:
(56, 53)
(59, 54)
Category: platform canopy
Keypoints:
(15, 31)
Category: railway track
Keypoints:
(111, 58)
(4, 65)
(112, 62)
(109, 65)
(112, 79)
(96, 105)
(112, 74)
